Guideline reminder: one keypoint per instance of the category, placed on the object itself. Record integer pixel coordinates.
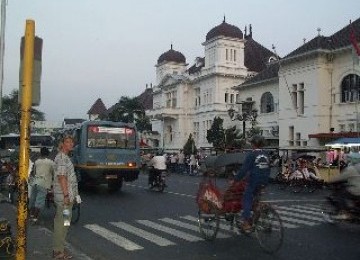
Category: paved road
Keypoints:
(139, 224)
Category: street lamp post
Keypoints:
(246, 115)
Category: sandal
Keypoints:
(61, 255)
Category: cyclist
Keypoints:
(158, 163)
(256, 168)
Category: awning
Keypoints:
(344, 142)
(333, 135)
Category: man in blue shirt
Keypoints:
(256, 168)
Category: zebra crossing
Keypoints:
(166, 231)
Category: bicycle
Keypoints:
(215, 205)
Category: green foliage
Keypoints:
(233, 138)
(129, 110)
(190, 147)
(216, 134)
(11, 113)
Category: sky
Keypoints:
(109, 48)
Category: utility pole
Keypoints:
(2, 49)
(26, 101)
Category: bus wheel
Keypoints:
(114, 185)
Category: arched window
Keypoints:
(267, 103)
(350, 88)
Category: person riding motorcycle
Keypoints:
(350, 176)
(157, 164)
(256, 168)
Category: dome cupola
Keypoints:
(224, 29)
(171, 55)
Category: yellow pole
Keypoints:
(24, 139)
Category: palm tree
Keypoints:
(11, 113)
(128, 110)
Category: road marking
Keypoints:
(297, 209)
(222, 226)
(311, 207)
(171, 231)
(298, 221)
(113, 237)
(189, 226)
(288, 212)
(160, 241)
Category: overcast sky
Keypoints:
(108, 48)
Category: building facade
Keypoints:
(187, 99)
(314, 91)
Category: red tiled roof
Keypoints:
(146, 99)
(97, 108)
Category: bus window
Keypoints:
(111, 137)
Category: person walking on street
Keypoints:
(43, 172)
(65, 193)
(181, 162)
(256, 168)
(192, 164)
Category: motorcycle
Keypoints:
(158, 179)
(338, 203)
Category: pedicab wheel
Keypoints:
(297, 186)
(311, 187)
(75, 213)
(269, 229)
(209, 221)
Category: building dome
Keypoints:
(172, 55)
(224, 29)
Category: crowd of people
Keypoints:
(175, 162)
(56, 175)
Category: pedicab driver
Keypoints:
(256, 168)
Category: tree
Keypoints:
(190, 147)
(11, 113)
(233, 138)
(216, 134)
(129, 110)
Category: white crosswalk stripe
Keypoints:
(223, 226)
(160, 241)
(114, 238)
(187, 227)
(171, 231)
(290, 212)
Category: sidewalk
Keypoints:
(39, 238)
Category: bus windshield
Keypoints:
(110, 137)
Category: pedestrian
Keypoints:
(173, 162)
(256, 168)
(65, 193)
(192, 164)
(43, 172)
(181, 162)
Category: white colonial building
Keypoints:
(312, 94)
(186, 100)
(306, 99)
